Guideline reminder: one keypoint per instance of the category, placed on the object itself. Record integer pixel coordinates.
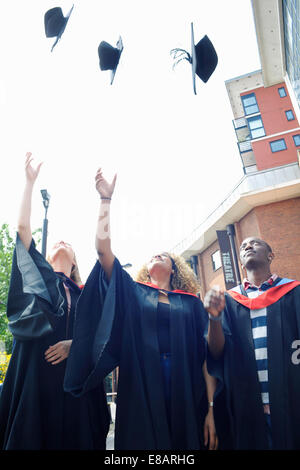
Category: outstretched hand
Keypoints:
(104, 188)
(30, 171)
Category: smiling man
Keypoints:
(253, 336)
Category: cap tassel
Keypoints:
(180, 52)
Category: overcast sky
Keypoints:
(175, 153)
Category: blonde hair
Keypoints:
(183, 278)
(75, 276)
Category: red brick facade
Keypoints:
(272, 109)
(277, 223)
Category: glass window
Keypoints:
(297, 140)
(278, 145)
(216, 260)
(289, 115)
(250, 104)
(282, 92)
(256, 127)
(291, 21)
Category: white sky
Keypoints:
(175, 153)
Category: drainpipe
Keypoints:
(194, 260)
(231, 234)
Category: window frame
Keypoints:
(296, 135)
(245, 107)
(279, 90)
(278, 140)
(253, 118)
(212, 260)
(289, 111)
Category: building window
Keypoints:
(216, 260)
(289, 115)
(278, 145)
(296, 140)
(282, 92)
(250, 104)
(291, 23)
(256, 127)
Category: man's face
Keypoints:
(255, 253)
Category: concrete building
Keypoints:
(266, 202)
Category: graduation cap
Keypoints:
(109, 56)
(55, 23)
(204, 58)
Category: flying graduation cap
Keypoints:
(55, 23)
(204, 58)
(109, 56)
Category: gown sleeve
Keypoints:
(218, 368)
(99, 322)
(35, 302)
(215, 367)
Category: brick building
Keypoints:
(266, 202)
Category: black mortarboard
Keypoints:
(55, 23)
(109, 56)
(204, 58)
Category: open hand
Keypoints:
(104, 188)
(30, 171)
(58, 352)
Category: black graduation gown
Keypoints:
(121, 330)
(237, 373)
(35, 412)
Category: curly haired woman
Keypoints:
(153, 329)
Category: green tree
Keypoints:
(7, 244)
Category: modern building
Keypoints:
(266, 202)
(291, 21)
(265, 122)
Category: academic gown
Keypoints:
(35, 412)
(121, 330)
(237, 371)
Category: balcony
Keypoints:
(240, 123)
(244, 144)
(255, 189)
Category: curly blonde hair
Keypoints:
(183, 278)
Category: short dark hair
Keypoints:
(268, 246)
(261, 240)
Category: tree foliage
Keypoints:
(7, 244)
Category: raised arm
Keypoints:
(103, 240)
(24, 227)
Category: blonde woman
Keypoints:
(153, 329)
(35, 412)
